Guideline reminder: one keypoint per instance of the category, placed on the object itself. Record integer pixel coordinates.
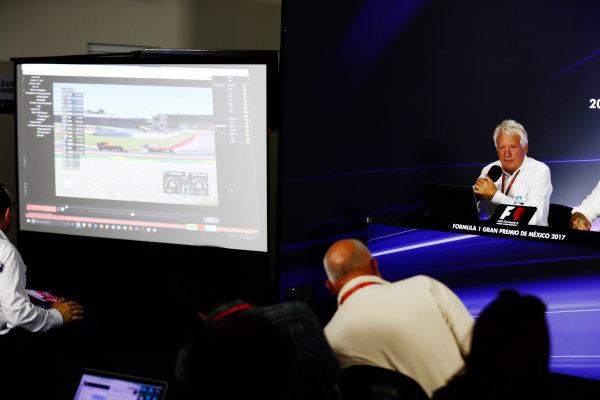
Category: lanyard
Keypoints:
(230, 311)
(355, 288)
(511, 183)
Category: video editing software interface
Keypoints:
(171, 153)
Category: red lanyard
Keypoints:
(511, 183)
(230, 311)
(355, 288)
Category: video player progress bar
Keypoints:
(188, 227)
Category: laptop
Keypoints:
(450, 203)
(94, 384)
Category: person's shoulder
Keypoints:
(294, 318)
(425, 284)
(420, 279)
(286, 306)
(9, 258)
(538, 165)
(288, 309)
(6, 247)
(415, 284)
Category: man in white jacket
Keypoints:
(417, 326)
(523, 179)
(587, 212)
(16, 310)
(29, 354)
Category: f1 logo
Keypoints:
(516, 213)
(507, 212)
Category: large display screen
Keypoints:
(173, 153)
(384, 96)
(411, 92)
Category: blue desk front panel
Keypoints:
(565, 277)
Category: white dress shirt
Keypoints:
(532, 184)
(590, 207)
(415, 326)
(16, 310)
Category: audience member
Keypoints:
(416, 326)
(509, 353)
(240, 355)
(25, 346)
(214, 292)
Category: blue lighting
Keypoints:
(563, 276)
(380, 171)
(394, 170)
(591, 160)
(421, 245)
(321, 241)
(577, 64)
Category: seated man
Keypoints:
(416, 326)
(20, 348)
(214, 293)
(16, 310)
(243, 347)
(524, 180)
(588, 211)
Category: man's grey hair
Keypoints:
(511, 128)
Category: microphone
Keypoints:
(494, 173)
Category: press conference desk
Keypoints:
(485, 228)
(562, 267)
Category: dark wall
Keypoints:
(138, 309)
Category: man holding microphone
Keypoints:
(522, 179)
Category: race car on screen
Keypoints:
(108, 146)
(156, 148)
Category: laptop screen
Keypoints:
(95, 385)
(451, 203)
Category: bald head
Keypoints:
(345, 260)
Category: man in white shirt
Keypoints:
(415, 326)
(24, 340)
(524, 180)
(16, 310)
(587, 211)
